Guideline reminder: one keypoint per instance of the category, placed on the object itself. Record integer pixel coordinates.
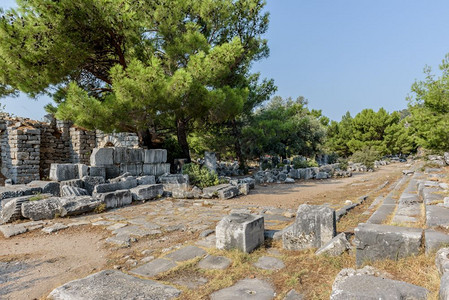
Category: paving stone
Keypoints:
(186, 253)
(206, 233)
(12, 230)
(246, 289)
(54, 228)
(269, 263)
(113, 285)
(435, 240)
(208, 242)
(335, 247)
(240, 231)
(79, 223)
(293, 295)
(362, 284)
(116, 226)
(134, 231)
(211, 262)
(102, 223)
(114, 217)
(381, 214)
(377, 242)
(314, 226)
(122, 240)
(153, 268)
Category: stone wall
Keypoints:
(28, 148)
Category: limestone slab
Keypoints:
(153, 268)
(212, 262)
(269, 263)
(113, 285)
(186, 253)
(246, 289)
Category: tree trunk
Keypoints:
(238, 146)
(145, 138)
(181, 130)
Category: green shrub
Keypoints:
(343, 162)
(200, 176)
(366, 156)
(299, 163)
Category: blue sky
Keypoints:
(340, 54)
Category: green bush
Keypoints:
(200, 176)
(366, 156)
(343, 162)
(299, 163)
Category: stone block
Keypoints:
(71, 206)
(174, 179)
(367, 284)
(228, 192)
(154, 156)
(243, 189)
(145, 180)
(210, 161)
(12, 208)
(112, 284)
(120, 155)
(90, 182)
(115, 199)
(314, 226)
(128, 183)
(73, 191)
(42, 209)
(444, 287)
(61, 172)
(437, 216)
(442, 260)
(335, 247)
(83, 170)
(97, 171)
(244, 232)
(249, 180)
(102, 157)
(377, 242)
(47, 187)
(213, 191)
(147, 192)
(112, 171)
(434, 240)
(135, 169)
(135, 155)
(156, 169)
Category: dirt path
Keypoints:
(331, 191)
(33, 264)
